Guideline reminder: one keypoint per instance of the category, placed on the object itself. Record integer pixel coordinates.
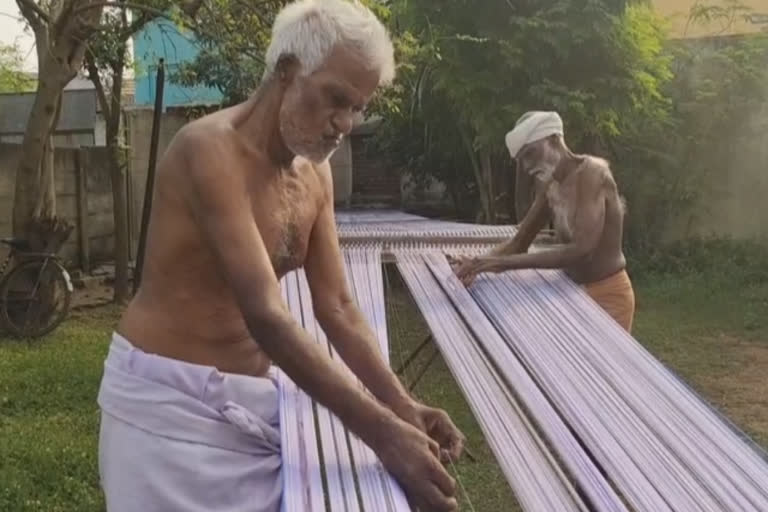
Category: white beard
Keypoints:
(314, 153)
(545, 168)
(543, 172)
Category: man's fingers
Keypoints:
(445, 482)
(434, 447)
(451, 448)
(432, 500)
(456, 448)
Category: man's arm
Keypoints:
(339, 316)
(532, 223)
(223, 210)
(587, 228)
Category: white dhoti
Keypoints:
(182, 437)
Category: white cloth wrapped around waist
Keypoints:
(181, 436)
(189, 402)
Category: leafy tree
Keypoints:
(716, 127)
(233, 36)
(474, 68)
(61, 29)
(105, 64)
(12, 78)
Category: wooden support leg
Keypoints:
(413, 355)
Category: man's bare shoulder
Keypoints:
(203, 152)
(595, 171)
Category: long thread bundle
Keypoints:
(686, 452)
(579, 416)
(328, 468)
(534, 476)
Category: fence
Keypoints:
(83, 196)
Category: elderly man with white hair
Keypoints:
(243, 196)
(578, 193)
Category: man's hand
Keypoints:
(466, 268)
(412, 458)
(438, 426)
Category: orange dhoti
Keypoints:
(616, 296)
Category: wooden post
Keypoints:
(82, 161)
(159, 91)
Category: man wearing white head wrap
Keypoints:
(532, 127)
(578, 193)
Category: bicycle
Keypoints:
(35, 294)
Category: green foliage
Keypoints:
(741, 262)
(109, 46)
(669, 115)
(233, 36)
(474, 68)
(717, 125)
(12, 79)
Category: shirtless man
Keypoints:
(243, 196)
(579, 194)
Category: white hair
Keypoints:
(311, 29)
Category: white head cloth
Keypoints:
(532, 127)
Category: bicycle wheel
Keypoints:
(35, 298)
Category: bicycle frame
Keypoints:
(5, 265)
(42, 256)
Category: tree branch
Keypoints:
(136, 25)
(33, 13)
(190, 8)
(122, 5)
(93, 74)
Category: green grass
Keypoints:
(484, 486)
(49, 417)
(708, 321)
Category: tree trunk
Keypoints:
(35, 187)
(118, 176)
(484, 215)
(120, 215)
(46, 199)
(490, 199)
(61, 31)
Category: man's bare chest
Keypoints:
(561, 198)
(285, 210)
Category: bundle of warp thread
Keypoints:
(579, 416)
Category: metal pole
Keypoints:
(159, 89)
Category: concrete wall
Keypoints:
(83, 196)
(678, 12)
(139, 135)
(732, 200)
(728, 172)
